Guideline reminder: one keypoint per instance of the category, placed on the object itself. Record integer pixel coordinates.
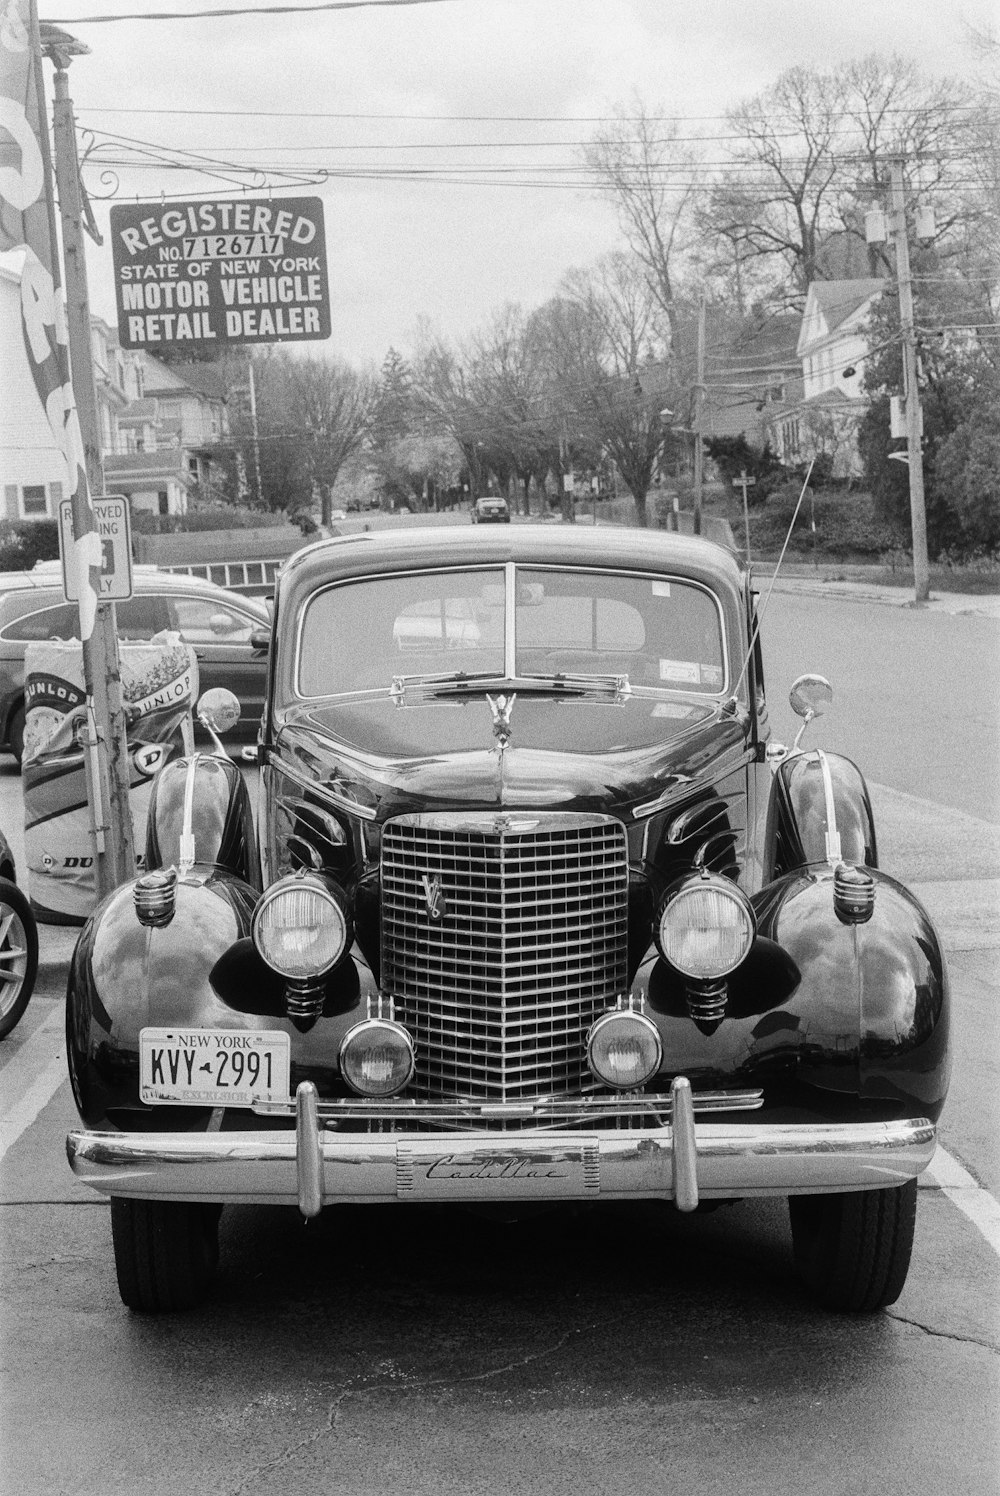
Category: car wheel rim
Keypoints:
(13, 959)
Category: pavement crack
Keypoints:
(394, 1381)
(903, 1319)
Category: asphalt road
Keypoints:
(619, 1350)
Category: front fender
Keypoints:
(199, 970)
(221, 816)
(798, 813)
(821, 1013)
(879, 987)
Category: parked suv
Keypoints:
(218, 624)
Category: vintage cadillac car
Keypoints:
(536, 911)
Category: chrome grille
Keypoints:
(500, 991)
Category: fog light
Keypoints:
(376, 1057)
(624, 1050)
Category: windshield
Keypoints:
(362, 635)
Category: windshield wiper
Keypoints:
(463, 682)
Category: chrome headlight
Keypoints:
(301, 927)
(376, 1057)
(705, 927)
(624, 1050)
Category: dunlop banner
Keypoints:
(234, 270)
(159, 687)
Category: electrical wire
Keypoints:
(251, 10)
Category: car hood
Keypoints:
(571, 753)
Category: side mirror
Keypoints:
(809, 697)
(224, 623)
(219, 711)
(260, 641)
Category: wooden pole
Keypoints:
(107, 747)
(914, 444)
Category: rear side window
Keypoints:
(62, 622)
(205, 620)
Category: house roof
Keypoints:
(145, 464)
(203, 379)
(138, 413)
(840, 299)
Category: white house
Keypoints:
(832, 348)
(32, 468)
(163, 430)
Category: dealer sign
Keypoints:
(233, 270)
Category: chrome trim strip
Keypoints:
(401, 1110)
(510, 614)
(733, 1161)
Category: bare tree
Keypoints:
(648, 172)
(814, 152)
(332, 406)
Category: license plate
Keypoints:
(477, 1171)
(213, 1067)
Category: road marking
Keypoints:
(968, 1194)
(32, 1078)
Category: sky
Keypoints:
(400, 87)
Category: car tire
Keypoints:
(853, 1250)
(18, 955)
(166, 1252)
(15, 734)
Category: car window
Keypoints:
(657, 631)
(209, 620)
(358, 636)
(142, 616)
(62, 622)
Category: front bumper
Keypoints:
(679, 1161)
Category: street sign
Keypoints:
(114, 525)
(231, 270)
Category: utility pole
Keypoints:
(911, 394)
(106, 756)
(256, 438)
(699, 400)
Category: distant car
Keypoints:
(336, 514)
(491, 509)
(218, 624)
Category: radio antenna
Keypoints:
(763, 607)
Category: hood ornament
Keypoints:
(501, 707)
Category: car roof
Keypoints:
(44, 585)
(618, 547)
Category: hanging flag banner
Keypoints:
(159, 686)
(233, 270)
(25, 227)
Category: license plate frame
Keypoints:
(171, 1060)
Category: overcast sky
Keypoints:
(403, 248)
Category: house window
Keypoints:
(33, 500)
(163, 501)
(193, 465)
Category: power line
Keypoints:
(252, 10)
